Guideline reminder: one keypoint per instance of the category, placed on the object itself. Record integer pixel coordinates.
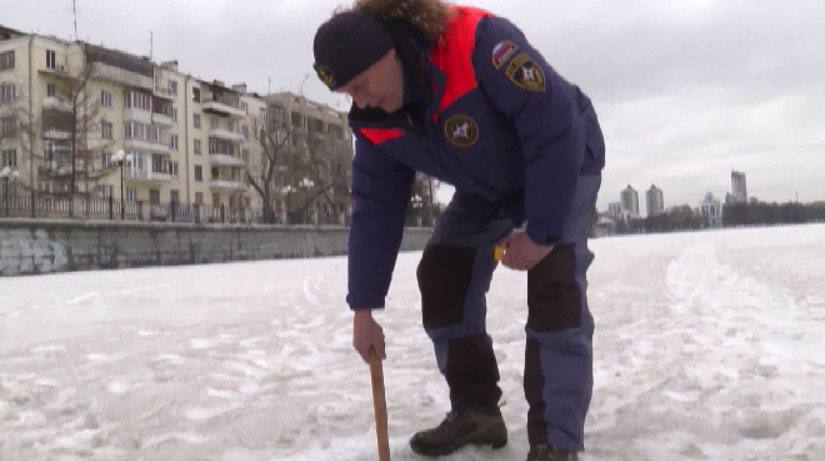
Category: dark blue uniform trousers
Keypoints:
(454, 276)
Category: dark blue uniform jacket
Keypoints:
(483, 112)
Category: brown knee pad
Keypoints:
(444, 275)
(553, 297)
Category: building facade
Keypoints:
(739, 187)
(67, 109)
(711, 210)
(630, 201)
(655, 201)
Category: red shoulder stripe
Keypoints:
(379, 135)
(453, 54)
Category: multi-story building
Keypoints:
(315, 147)
(68, 109)
(630, 201)
(739, 187)
(614, 209)
(655, 201)
(711, 210)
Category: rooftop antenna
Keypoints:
(74, 14)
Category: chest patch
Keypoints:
(503, 52)
(525, 73)
(461, 130)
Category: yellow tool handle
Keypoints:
(498, 252)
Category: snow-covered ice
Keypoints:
(708, 345)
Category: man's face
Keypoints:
(380, 86)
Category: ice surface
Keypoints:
(708, 345)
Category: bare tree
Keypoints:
(263, 171)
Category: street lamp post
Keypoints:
(7, 173)
(306, 184)
(120, 159)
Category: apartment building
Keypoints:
(185, 141)
(316, 153)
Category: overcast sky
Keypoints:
(686, 90)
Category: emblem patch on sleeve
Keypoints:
(503, 52)
(461, 130)
(525, 73)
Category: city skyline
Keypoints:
(685, 92)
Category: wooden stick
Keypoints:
(380, 405)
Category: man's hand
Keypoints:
(367, 334)
(521, 253)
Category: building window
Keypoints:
(7, 60)
(138, 100)
(198, 198)
(173, 87)
(9, 158)
(198, 173)
(216, 200)
(105, 99)
(8, 93)
(213, 123)
(154, 196)
(51, 90)
(173, 142)
(8, 127)
(196, 120)
(107, 191)
(105, 130)
(196, 94)
(245, 155)
(158, 164)
(197, 147)
(106, 159)
(174, 168)
(245, 131)
(216, 174)
(174, 196)
(131, 194)
(51, 59)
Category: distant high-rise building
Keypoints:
(614, 209)
(711, 211)
(739, 187)
(630, 200)
(655, 201)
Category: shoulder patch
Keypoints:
(461, 130)
(525, 73)
(502, 53)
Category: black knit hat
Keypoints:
(347, 44)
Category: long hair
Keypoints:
(427, 17)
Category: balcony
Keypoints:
(59, 134)
(147, 175)
(162, 119)
(224, 160)
(55, 103)
(134, 114)
(122, 76)
(227, 184)
(161, 147)
(59, 70)
(226, 135)
(222, 107)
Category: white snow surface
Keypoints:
(708, 345)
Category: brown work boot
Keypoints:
(542, 452)
(463, 427)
